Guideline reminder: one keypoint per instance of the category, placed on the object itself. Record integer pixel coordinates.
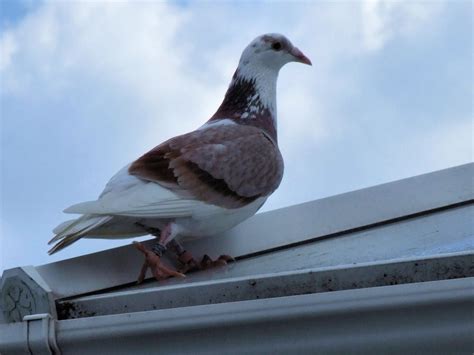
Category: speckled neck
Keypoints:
(250, 100)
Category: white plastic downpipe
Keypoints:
(41, 334)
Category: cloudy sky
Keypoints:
(87, 87)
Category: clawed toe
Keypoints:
(188, 263)
(226, 258)
(158, 269)
(161, 272)
(207, 262)
(188, 267)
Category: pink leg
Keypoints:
(153, 261)
(166, 235)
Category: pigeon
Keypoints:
(200, 183)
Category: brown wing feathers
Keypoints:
(226, 166)
(154, 165)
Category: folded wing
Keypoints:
(228, 166)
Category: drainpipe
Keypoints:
(35, 335)
(41, 334)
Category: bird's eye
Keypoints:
(276, 46)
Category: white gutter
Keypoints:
(422, 318)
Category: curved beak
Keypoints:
(299, 56)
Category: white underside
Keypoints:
(127, 200)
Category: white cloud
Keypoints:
(143, 50)
(382, 20)
(8, 47)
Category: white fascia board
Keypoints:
(422, 318)
(291, 225)
(299, 282)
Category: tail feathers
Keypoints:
(71, 231)
(62, 227)
(66, 228)
(73, 226)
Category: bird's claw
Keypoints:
(153, 261)
(189, 263)
(207, 262)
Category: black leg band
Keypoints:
(158, 249)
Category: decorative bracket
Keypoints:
(23, 292)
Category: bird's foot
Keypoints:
(189, 263)
(208, 263)
(153, 261)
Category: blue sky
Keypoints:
(86, 87)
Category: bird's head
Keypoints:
(273, 51)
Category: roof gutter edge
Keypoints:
(427, 316)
